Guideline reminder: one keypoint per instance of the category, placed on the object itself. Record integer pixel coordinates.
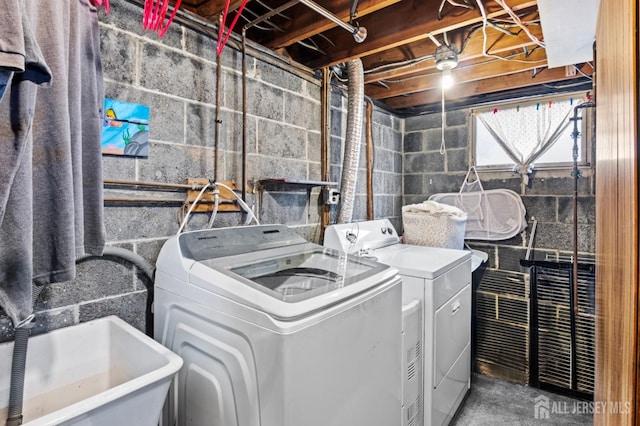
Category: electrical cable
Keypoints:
(582, 72)
(518, 22)
(400, 65)
(485, 21)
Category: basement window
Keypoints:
(531, 134)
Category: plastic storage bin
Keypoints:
(100, 373)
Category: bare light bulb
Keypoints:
(447, 79)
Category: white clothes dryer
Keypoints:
(441, 280)
(277, 331)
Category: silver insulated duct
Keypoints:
(355, 118)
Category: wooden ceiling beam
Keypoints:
(308, 23)
(497, 43)
(211, 9)
(486, 69)
(486, 86)
(405, 22)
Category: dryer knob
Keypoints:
(383, 230)
(390, 231)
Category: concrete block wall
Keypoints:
(176, 77)
(502, 293)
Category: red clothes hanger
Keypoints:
(98, 3)
(155, 13)
(222, 37)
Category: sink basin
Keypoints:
(103, 372)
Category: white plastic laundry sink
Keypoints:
(100, 373)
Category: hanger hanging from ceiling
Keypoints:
(155, 13)
(98, 3)
(222, 36)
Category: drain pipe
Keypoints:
(576, 174)
(18, 364)
(143, 265)
(353, 139)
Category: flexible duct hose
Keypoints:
(355, 118)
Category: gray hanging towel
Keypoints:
(19, 55)
(53, 211)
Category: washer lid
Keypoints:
(289, 282)
(420, 261)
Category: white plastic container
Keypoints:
(100, 373)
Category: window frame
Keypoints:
(586, 141)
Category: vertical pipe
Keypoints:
(533, 328)
(576, 174)
(573, 309)
(217, 118)
(325, 160)
(369, 161)
(244, 114)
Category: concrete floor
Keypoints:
(495, 402)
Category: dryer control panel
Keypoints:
(360, 237)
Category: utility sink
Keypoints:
(100, 373)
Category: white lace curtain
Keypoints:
(527, 132)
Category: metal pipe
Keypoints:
(217, 117)
(369, 146)
(576, 174)
(359, 33)
(244, 114)
(325, 159)
(174, 186)
(158, 200)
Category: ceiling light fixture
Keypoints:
(446, 59)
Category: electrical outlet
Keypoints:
(331, 196)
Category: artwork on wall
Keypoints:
(125, 129)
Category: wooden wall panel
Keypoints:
(616, 213)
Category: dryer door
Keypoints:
(452, 333)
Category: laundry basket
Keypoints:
(434, 224)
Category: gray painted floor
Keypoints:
(496, 403)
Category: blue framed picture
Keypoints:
(125, 129)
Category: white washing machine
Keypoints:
(441, 280)
(277, 331)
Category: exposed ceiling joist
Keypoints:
(485, 69)
(306, 25)
(497, 43)
(398, 53)
(408, 21)
(486, 86)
